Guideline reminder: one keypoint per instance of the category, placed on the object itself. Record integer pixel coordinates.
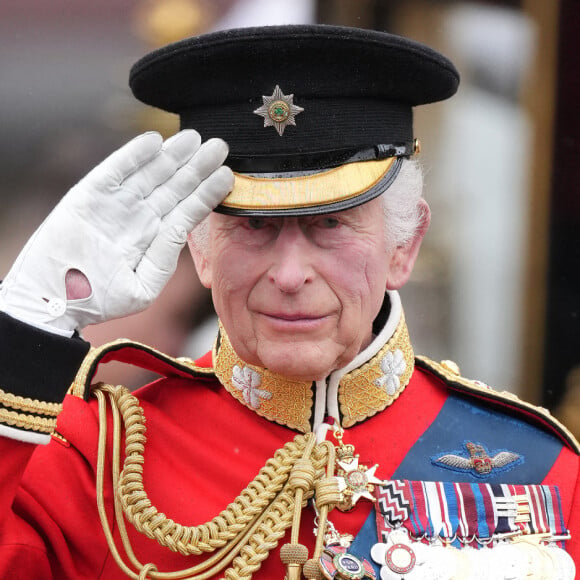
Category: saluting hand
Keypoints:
(122, 228)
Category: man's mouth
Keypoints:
(294, 320)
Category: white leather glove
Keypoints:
(122, 227)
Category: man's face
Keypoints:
(298, 295)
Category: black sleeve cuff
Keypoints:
(37, 364)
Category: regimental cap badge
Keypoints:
(278, 110)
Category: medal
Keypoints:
(564, 567)
(538, 563)
(356, 480)
(441, 561)
(505, 561)
(475, 569)
(337, 563)
(400, 557)
(462, 565)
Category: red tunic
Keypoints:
(203, 447)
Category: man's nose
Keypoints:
(292, 258)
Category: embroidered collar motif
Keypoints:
(362, 392)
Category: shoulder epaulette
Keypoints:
(448, 372)
(137, 354)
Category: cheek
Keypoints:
(362, 275)
(234, 276)
(367, 288)
(376, 275)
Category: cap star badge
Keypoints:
(278, 110)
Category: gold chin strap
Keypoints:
(241, 536)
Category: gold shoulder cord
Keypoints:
(244, 533)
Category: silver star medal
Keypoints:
(278, 110)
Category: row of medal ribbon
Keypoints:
(447, 530)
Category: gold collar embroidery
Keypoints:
(362, 392)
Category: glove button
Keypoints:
(56, 307)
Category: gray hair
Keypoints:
(401, 205)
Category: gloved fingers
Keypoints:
(176, 152)
(160, 260)
(206, 197)
(118, 166)
(188, 177)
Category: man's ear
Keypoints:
(404, 257)
(201, 261)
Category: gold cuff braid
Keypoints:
(30, 422)
(27, 405)
(27, 413)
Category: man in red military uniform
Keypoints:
(312, 441)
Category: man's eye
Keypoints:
(256, 223)
(329, 222)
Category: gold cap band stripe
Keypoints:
(335, 185)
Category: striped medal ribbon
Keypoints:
(462, 530)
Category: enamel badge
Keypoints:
(338, 564)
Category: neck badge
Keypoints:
(355, 480)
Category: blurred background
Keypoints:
(497, 286)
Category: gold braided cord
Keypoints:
(241, 536)
(29, 405)
(327, 496)
(146, 570)
(217, 562)
(32, 422)
(302, 480)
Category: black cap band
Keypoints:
(324, 134)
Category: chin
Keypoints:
(298, 372)
(305, 376)
(304, 361)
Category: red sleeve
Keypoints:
(49, 525)
(23, 553)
